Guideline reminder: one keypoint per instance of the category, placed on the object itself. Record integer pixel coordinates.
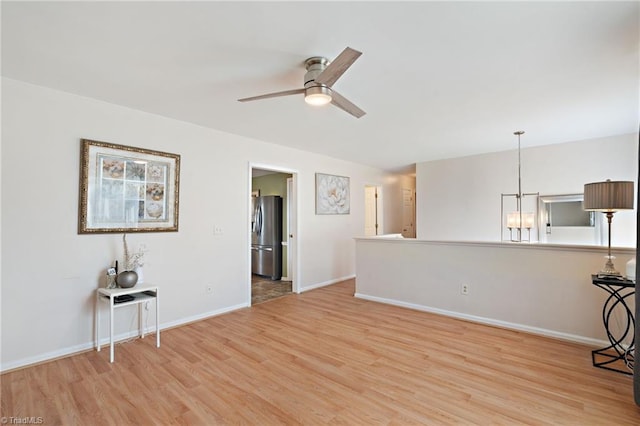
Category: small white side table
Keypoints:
(140, 294)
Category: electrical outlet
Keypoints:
(217, 230)
(464, 289)
(209, 289)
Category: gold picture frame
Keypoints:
(127, 189)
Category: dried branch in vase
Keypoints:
(131, 261)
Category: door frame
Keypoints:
(293, 221)
(379, 206)
(413, 211)
(289, 232)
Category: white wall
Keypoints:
(536, 288)
(50, 273)
(459, 199)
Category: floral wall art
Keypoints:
(332, 194)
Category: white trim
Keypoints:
(292, 198)
(199, 317)
(326, 283)
(489, 321)
(71, 350)
(503, 244)
(295, 273)
(51, 355)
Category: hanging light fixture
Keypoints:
(519, 220)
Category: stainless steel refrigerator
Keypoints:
(266, 236)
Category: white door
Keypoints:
(408, 213)
(370, 211)
(288, 233)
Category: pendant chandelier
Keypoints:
(518, 219)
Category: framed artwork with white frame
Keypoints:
(332, 194)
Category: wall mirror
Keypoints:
(563, 221)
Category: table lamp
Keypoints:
(608, 197)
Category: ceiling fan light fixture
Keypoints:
(318, 82)
(317, 95)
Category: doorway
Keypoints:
(272, 259)
(372, 210)
(408, 213)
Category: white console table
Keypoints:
(140, 294)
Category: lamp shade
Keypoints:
(608, 196)
(513, 220)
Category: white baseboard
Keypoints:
(326, 283)
(47, 356)
(183, 321)
(490, 321)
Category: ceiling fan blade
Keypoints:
(346, 105)
(337, 67)
(273, 95)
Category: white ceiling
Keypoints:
(437, 79)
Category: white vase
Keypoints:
(138, 270)
(631, 269)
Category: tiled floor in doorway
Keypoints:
(263, 289)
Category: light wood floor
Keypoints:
(324, 357)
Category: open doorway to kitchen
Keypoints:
(273, 231)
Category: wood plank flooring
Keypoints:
(324, 357)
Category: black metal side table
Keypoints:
(616, 357)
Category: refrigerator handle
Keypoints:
(259, 220)
(255, 223)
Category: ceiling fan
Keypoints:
(318, 81)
